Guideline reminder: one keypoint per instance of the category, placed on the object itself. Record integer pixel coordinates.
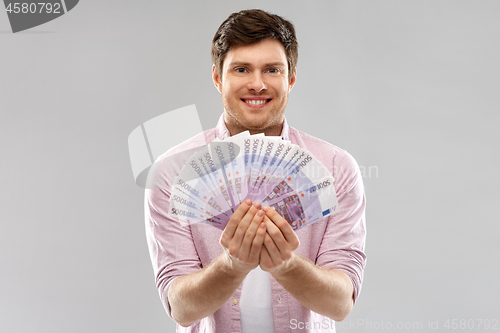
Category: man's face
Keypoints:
(255, 87)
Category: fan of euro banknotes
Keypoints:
(218, 177)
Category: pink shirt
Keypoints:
(335, 242)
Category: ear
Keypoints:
(292, 80)
(217, 80)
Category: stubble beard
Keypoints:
(237, 122)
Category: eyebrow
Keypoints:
(238, 63)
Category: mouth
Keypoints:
(259, 102)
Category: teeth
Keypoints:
(256, 102)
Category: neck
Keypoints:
(235, 128)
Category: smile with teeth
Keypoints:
(256, 101)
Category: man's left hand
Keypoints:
(279, 243)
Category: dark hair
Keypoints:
(252, 26)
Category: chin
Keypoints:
(253, 126)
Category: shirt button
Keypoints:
(235, 301)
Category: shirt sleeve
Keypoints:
(171, 248)
(343, 243)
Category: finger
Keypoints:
(283, 225)
(247, 219)
(257, 243)
(273, 251)
(234, 221)
(249, 236)
(275, 233)
(266, 263)
(239, 234)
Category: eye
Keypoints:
(273, 70)
(240, 70)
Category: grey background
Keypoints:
(409, 88)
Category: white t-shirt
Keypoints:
(256, 309)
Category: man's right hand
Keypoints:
(243, 237)
(197, 295)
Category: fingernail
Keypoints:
(256, 204)
(260, 213)
(262, 225)
(248, 202)
(266, 209)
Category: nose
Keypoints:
(256, 82)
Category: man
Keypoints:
(296, 281)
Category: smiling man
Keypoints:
(258, 275)
(254, 84)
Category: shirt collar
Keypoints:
(223, 133)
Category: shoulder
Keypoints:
(312, 141)
(331, 156)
